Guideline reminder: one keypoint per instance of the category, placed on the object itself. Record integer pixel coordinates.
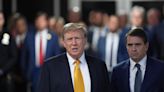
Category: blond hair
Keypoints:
(73, 27)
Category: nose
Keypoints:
(74, 41)
(134, 47)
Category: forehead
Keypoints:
(74, 33)
(41, 17)
(134, 39)
(20, 20)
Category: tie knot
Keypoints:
(77, 62)
(138, 66)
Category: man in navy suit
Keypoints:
(140, 73)
(39, 45)
(59, 73)
(111, 47)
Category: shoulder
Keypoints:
(56, 59)
(155, 62)
(52, 33)
(122, 65)
(94, 60)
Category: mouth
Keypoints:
(74, 49)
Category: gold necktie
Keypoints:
(78, 78)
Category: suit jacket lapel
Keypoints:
(125, 76)
(48, 46)
(92, 73)
(148, 75)
(68, 73)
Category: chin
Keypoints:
(75, 55)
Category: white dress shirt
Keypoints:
(133, 71)
(84, 70)
(111, 39)
(20, 39)
(43, 34)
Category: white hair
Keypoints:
(139, 9)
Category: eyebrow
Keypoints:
(134, 44)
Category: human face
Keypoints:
(74, 42)
(52, 23)
(21, 26)
(41, 22)
(153, 18)
(136, 47)
(136, 18)
(113, 24)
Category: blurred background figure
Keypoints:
(111, 47)
(52, 23)
(11, 23)
(74, 15)
(96, 30)
(59, 25)
(153, 18)
(105, 19)
(8, 57)
(123, 19)
(39, 45)
(137, 17)
(153, 21)
(59, 29)
(159, 38)
(21, 29)
(56, 25)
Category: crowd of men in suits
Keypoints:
(31, 57)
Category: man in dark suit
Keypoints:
(39, 45)
(8, 57)
(60, 73)
(140, 73)
(111, 47)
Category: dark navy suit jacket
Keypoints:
(159, 39)
(28, 60)
(56, 75)
(153, 79)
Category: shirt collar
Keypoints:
(72, 60)
(43, 31)
(142, 62)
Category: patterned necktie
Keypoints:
(78, 78)
(138, 79)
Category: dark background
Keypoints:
(29, 8)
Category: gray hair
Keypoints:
(139, 9)
(73, 27)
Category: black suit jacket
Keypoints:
(56, 75)
(153, 79)
(8, 52)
